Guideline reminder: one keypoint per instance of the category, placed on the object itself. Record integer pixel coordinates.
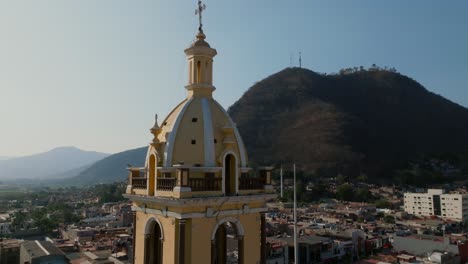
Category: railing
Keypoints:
(139, 182)
(251, 183)
(205, 184)
(165, 184)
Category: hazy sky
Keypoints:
(92, 73)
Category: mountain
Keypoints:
(50, 164)
(110, 169)
(360, 121)
(372, 121)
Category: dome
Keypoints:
(197, 133)
(197, 151)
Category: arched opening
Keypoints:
(199, 72)
(153, 244)
(227, 245)
(190, 72)
(230, 174)
(151, 174)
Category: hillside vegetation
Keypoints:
(374, 122)
(361, 121)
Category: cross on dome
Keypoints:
(199, 11)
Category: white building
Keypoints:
(437, 203)
(5, 228)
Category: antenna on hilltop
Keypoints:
(290, 60)
(300, 59)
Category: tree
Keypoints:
(319, 190)
(381, 203)
(345, 192)
(19, 218)
(340, 179)
(362, 177)
(362, 194)
(389, 219)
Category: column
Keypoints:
(147, 248)
(182, 241)
(221, 244)
(134, 236)
(213, 252)
(240, 248)
(263, 239)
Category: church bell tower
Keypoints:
(196, 200)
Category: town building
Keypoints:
(277, 251)
(435, 202)
(41, 252)
(10, 250)
(196, 200)
(5, 228)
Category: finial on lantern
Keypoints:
(199, 11)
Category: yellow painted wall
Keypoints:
(188, 130)
(201, 239)
(252, 242)
(169, 242)
(198, 237)
(220, 120)
(203, 228)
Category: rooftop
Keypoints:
(38, 248)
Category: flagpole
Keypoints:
(296, 251)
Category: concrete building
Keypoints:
(81, 235)
(421, 245)
(277, 251)
(41, 252)
(10, 251)
(195, 195)
(319, 249)
(435, 202)
(5, 228)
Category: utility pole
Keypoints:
(296, 249)
(300, 60)
(281, 180)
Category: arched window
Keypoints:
(230, 172)
(153, 244)
(199, 72)
(191, 72)
(227, 234)
(151, 174)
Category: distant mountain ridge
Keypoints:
(110, 169)
(50, 164)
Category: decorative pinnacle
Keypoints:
(155, 130)
(199, 11)
(156, 126)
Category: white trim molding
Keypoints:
(200, 201)
(235, 221)
(240, 143)
(148, 226)
(198, 215)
